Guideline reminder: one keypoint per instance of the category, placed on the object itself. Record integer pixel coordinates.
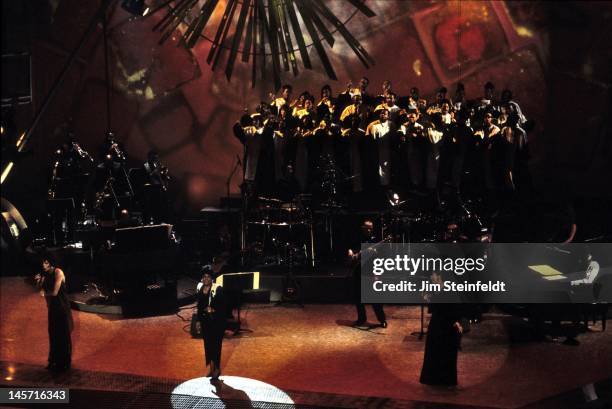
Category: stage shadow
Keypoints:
(231, 397)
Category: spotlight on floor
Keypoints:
(228, 392)
(135, 7)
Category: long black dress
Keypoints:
(212, 324)
(441, 347)
(60, 323)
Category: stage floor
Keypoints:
(309, 354)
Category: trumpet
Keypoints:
(116, 152)
(81, 152)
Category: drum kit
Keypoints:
(281, 232)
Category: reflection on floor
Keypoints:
(311, 354)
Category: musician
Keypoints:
(156, 173)
(367, 236)
(155, 188)
(52, 285)
(212, 313)
(443, 341)
(112, 151)
(112, 163)
(68, 168)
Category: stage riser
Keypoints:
(314, 289)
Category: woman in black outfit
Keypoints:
(212, 316)
(52, 283)
(443, 342)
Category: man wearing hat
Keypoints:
(212, 316)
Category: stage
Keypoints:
(311, 354)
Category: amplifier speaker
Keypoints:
(149, 301)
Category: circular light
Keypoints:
(226, 393)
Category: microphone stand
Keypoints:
(227, 186)
(231, 176)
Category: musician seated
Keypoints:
(591, 273)
(157, 174)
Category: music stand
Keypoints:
(234, 284)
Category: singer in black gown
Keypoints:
(212, 313)
(53, 283)
(443, 342)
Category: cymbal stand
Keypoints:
(290, 283)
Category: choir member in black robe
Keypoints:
(413, 144)
(380, 134)
(284, 99)
(304, 142)
(255, 133)
(487, 148)
(354, 121)
(212, 314)
(443, 342)
(52, 283)
(327, 117)
(445, 122)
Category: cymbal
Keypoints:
(269, 199)
(289, 207)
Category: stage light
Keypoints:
(6, 172)
(135, 7)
